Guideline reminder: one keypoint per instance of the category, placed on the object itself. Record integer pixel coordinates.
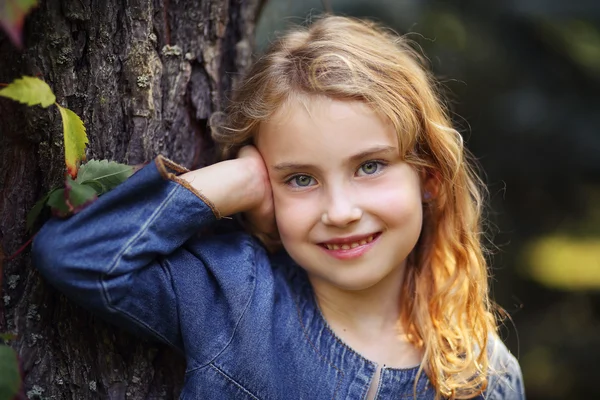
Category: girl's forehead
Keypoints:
(321, 125)
(320, 107)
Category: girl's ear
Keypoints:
(430, 185)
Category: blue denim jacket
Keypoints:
(247, 321)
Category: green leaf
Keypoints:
(78, 195)
(29, 90)
(10, 377)
(37, 209)
(72, 199)
(58, 203)
(75, 140)
(12, 15)
(103, 175)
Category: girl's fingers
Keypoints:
(261, 217)
(258, 187)
(249, 151)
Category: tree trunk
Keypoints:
(144, 76)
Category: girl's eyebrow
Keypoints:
(373, 151)
(376, 150)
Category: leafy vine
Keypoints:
(84, 182)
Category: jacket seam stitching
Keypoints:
(144, 325)
(237, 324)
(236, 383)
(114, 264)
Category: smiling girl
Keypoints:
(345, 166)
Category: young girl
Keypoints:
(345, 165)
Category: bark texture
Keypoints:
(144, 76)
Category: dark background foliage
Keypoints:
(521, 78)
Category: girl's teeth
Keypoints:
(349, 246)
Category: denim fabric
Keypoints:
(247, 321)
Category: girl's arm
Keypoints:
(117, 256)
(240, 185)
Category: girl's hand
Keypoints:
(240, 185)
(260, 217)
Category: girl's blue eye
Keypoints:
(370, 168)
(301, 181)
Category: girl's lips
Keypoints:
(348, 251)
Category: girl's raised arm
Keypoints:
(125, 255)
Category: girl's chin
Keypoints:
(344, 282)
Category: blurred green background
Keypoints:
(522, 77)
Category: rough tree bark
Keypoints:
(144, 75)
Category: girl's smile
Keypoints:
(347, 206)
(350, 247)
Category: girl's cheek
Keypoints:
(395, 202)
(293, 212)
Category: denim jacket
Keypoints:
(247, 321)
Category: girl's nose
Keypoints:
(341, 211)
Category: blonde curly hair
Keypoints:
(446, 310)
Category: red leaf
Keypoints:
(72, 171)
(12, 16)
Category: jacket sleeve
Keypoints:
(110, 256)
(505, 380)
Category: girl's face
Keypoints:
(347, 207)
